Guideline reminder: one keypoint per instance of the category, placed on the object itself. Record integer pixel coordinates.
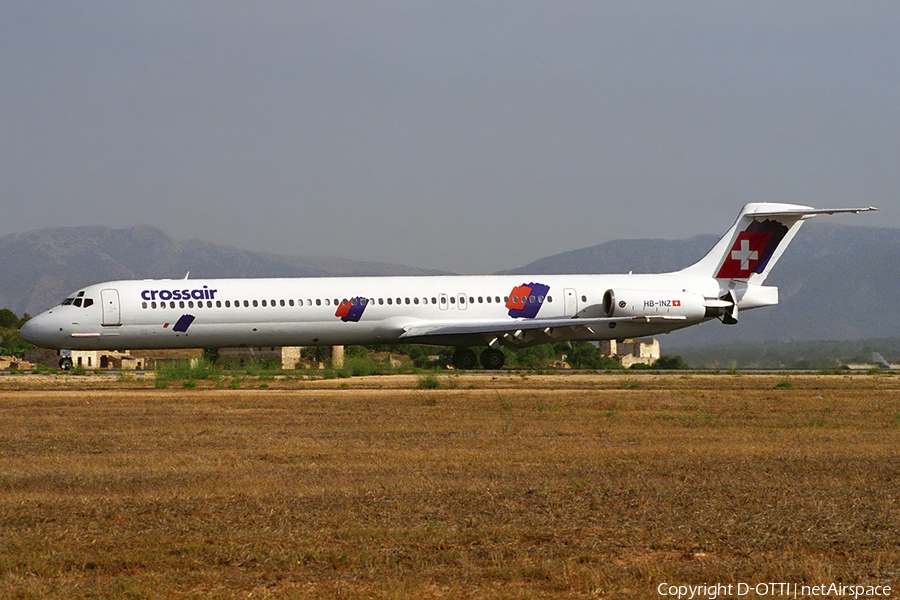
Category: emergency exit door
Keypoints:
(571, 302)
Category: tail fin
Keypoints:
(749, 250)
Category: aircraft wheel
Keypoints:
(464, 358)
(492, 359)
(65, 364)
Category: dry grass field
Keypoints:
(490, 486)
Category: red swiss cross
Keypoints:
(743, 256)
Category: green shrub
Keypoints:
(429, 382)
(187, 370)
(361, 367)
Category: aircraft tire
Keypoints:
(464, 358)
(65, 364)
(492, 359)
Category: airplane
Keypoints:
(488, 311)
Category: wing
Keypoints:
(517, 333)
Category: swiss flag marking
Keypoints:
(743, 256)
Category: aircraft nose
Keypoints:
(40, 331)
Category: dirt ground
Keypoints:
(478, 485)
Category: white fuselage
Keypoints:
(307, 311)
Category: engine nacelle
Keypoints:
(654, 303)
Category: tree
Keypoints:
(8, 319)
(585, 355)
(669, 362)
(13, 345)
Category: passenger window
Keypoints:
(152, 305)
(549, 298)
(209, 304)
(256, 303)
(264, 303)
(452, 300)
(443, 300)
(390, 300)
(497, 299)
(190, 304)
(433, 300)
(584, 298)
(318, 302)
(143, 305)
(407, 300)
(531, 299)
(181, 304)
(228, 304)
(480, 300)
(415, 300)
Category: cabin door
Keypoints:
(109, 302)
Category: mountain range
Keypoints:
(836, 282)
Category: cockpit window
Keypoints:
(78, 300)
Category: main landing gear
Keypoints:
(464, 358)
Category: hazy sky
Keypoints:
(465, 136)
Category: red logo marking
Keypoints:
(518, 297)
(343, 310)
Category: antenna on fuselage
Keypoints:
(186, 275)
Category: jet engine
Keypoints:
(658, 303)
